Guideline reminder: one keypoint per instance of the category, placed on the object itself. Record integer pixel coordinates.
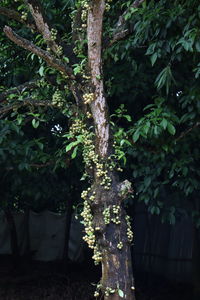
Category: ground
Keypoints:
(52, 281)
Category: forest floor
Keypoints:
(47, 281)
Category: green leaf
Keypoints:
(128, 118)
(35, 123)
(121, 293)
(165, 148)
(152, 209)
(77, 69)
(150, 49)
(197, 45)
(171, 129)
(153, 58)
(164, 123)
(19, 119)
(71, 145)
(147, 181)
(146, 127)
(164, 78)
(98, 77)
(127, 16)
(41, 71)
(133, 9)
(74, 153)
(66, 59)
(156, 130)
(136, 136)
(40, 145)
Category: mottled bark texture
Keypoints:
(116, 263)
(98, 106)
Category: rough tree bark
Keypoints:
(116, 263)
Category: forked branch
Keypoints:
(121, 32)
(49, 33)
(42, 24)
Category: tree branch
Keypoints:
(121, 32)
(50, 60)
(14, 15)
(42, 24)
(25, 102)
(18, 89)
(186, 132)
(49, 34)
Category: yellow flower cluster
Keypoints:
(109, 291)
(90, 158)
(116, 212)
(53, 34)
(102, 171)
(88, 98)
(120, 245)
(57, 99)
(59, 50)
(24, 16)
(106, 214)
(113, 211)
(108, 6)
(84, 13)
(89, 237)
(96, 294)
(78, 127)
(97, 255)
(88, 222)
(88, 115)
(129, 231)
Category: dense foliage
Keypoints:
(159, 133)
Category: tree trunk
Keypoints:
(108, 231)
(112, 246)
